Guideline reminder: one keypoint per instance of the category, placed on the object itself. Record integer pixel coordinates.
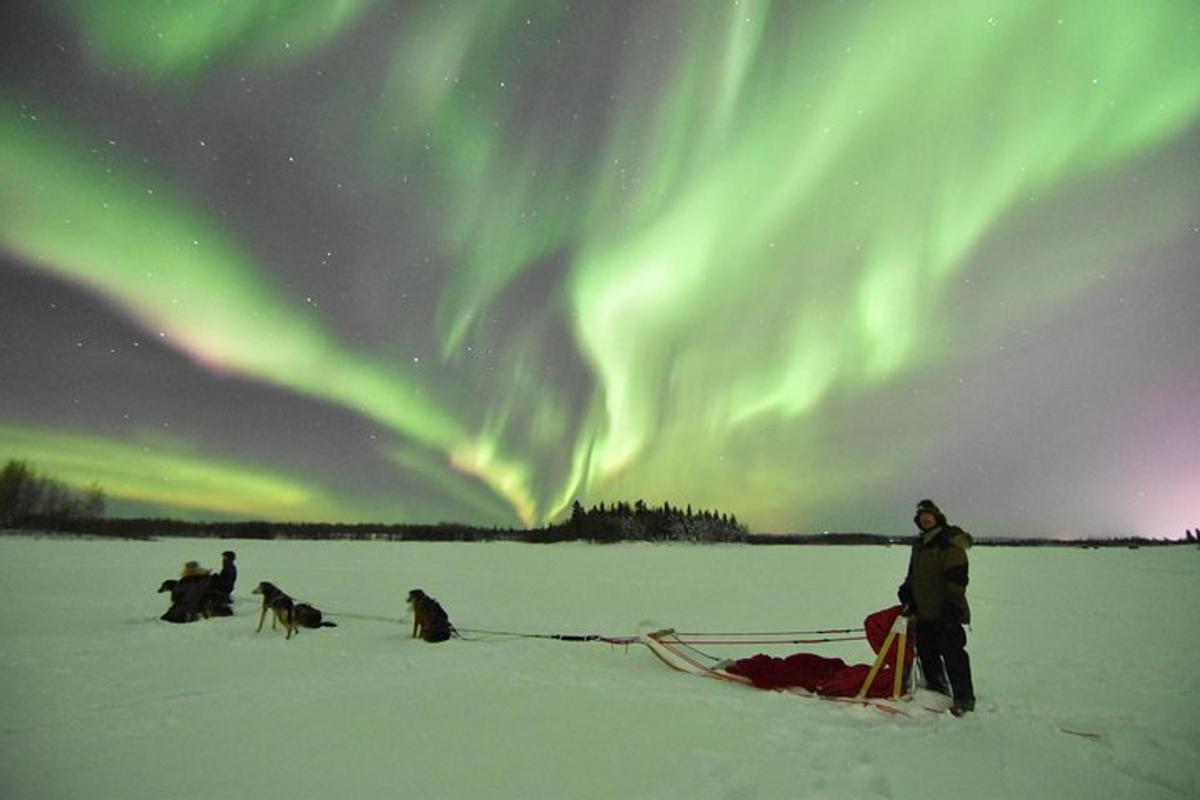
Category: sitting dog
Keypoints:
(176, 612)
(287, 612)
(193, 597)
(430, 620)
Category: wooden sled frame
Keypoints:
(668, 648)
(899, 631)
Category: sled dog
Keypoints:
(193, 597)
(287, 612)
(430, 620)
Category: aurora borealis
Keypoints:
(804, 262)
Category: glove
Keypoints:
(904, 593)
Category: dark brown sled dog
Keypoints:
(430, 620)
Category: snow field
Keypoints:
(102, 700)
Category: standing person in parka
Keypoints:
(935, 591)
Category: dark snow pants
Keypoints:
(941, 643)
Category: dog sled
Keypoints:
(881, 683)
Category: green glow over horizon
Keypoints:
(168, 474)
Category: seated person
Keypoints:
(194, 596)
(224, 580)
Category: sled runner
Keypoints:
(879, 684)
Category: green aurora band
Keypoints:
(155, 474)
(846, 162)
(176, 43)
(881, 163)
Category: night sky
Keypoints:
(804, 262)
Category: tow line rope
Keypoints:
(558, 637)
(811, 632)
(371, 617)
(691, 644)
(691, 639)
(820, 640)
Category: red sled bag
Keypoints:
(831, 677)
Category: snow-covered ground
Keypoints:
(99, 699)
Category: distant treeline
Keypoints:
(598, 527)
(36, 503)
(30, 500)
(619, 522)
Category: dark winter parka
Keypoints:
(936, 585)
(189, 597)
(225, 580)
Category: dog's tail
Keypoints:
(327, 624)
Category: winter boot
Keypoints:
(961, 707)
